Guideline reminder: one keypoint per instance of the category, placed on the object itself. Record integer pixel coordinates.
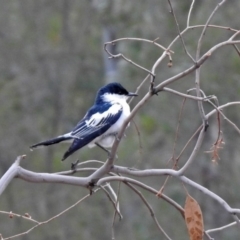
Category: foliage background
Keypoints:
(51, 64)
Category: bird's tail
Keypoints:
(51, 141)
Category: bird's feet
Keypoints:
(74, 166)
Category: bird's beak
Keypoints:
(131, 94)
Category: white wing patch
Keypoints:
(96, 122)
(97, 118)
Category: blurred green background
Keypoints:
(51, 64)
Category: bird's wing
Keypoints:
(96, 122)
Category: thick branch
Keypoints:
(10, 174)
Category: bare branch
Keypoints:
(112, 201)
(194, 152)
(158, 172)
(205, 28)
(26, 216)
(179, 32)
(139, 87)
(234, 35)
(189, 13)
(190, 139)
(168, 81)
(50, 219)
(186, 95)
(236, 48)
(10, 174)
(144, 186)
(221, 228)
(149, 208)
(130, 61)
(141, 40)
(197, 77)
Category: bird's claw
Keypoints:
(74, 166)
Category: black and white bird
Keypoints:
(101, 123)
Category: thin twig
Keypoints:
(177, 131)
(194, 151)
(189, 140)
(124, 170)
(149, 208)
(139, 87)
(236, 48)
(234, 35)
(26, 216)
(225, 117)
(139, 138)
(50, 219)
(205, 28)
(185, 95)
(221, 228)
(178, 175)
(179, 32)
(141, 40)
(112, 201)
(197, 76)
(130, 61)
(114, 215)
(189, 13)
(175, 161)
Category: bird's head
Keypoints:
(113, 92)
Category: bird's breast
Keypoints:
(118, 124)
(106, 140)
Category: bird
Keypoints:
(101, 124)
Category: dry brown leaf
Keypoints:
(194, 219)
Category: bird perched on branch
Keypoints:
(101, 123)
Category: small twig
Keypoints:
(221, 228)
(190, 139)
(139, 87)
(175, 161)
(128, 60)
(236, 48)
(190, 69)
(205, 28)
(141, 40)
(177, 130)
(190, 12)
(178, 175)
(202, 26)
(234, 35)
(124, 170)
(139, 138)
(230, 122)
(50, 219)
(89, 161)
(179, 32)
(224, 116)
(208, 236)
(112, 201)
(26, 216)
(125, 58)
(197, 80)
(185, 95)
(149, 208)
(194, 151)
(219, 140)
(114, 215)
(70, 172)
